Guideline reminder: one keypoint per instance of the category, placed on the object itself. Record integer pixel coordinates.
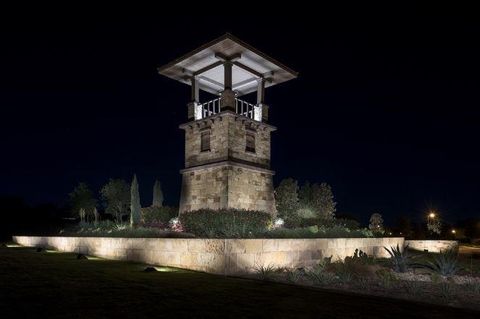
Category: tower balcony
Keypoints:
(243, 108)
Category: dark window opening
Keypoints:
(250, 143)
(205, 141)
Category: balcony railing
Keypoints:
(213, 107)
(244, 108)
(210, 108)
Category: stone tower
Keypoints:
(227, 140)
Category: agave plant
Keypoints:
(294, 275)
(320, 277)
(266, 272)
(445, 263)
(400, 259)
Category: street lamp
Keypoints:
(431, 215)
(454, 231)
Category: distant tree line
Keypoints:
(119, 200)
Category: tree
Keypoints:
(286, 198)
(305, 195)
(434, 226)
(305, 208)
(135, 207)
(323, 202)
(116, 194)
(157, 194)
(82, 214)
(376, 223)
(96, 216)
(82, 198)
(316, 201)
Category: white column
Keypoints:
(257, 110)
(261, 91)
(195, 89)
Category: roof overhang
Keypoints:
(206, 64)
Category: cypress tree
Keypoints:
(157, 194)
(135, 206)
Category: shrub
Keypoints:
(225, 223)
(318, 276)
(352, 267)
(445, 263)
(319, 232)
(360, 257)
(348, 223)
(325, 263)
(329, 223)
(175, 225)
(473, 287)
(345, 272)
(447, 291)
(112, 229)
(400, 259)
(266, 272)
(413, 288)
(286, 200)
(376, 224)
(386, 277)
(156, 216)
(293, 276)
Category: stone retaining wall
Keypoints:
(432, 246)
(218, 256)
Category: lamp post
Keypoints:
(431, 220)
(454, 233)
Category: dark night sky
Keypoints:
(385, 110)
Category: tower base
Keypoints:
(226, 185)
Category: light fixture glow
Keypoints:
(165, 269)
(95, 258)
(52, 251)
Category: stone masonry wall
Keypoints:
(227, 140)
(227, 186)
(227, 175)
(204, 188)
(217, 256)
(433, 246)
(251, 190)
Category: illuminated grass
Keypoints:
(60, 286)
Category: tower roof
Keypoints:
(206, 64)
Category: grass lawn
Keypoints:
(57, 285)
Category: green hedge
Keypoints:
(225, 223)
(319, 232)
(328, 223)
(158, 216)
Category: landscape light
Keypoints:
(164, 269)
(94, 258)
(431, 215)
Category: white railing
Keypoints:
(244, 108)
(212, 107)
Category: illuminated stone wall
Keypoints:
(227, 175)
(227, 185)
(218, 256)
(227, 140)
(433, 246)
